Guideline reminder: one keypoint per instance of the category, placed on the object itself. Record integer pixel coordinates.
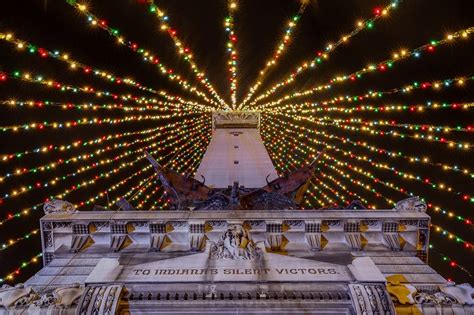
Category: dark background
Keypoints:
(259, 24)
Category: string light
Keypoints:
(183, 50)
(40, 79)
(451, 236)
(388, 153)
(281, 47)
(452, 263)
(356, 140)
(232, 62)
(171, 128)
(380, 66)
(366, 173)
(14, 274)
(323, 55)
(156, 106)
(25, 189)
(15, 241)
(92, 181)
(147, 56)
(38, 126)
(23, 45)
(406, 89)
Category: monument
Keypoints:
(236, 241)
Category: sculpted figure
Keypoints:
(435, 298)
(411, 204)
(58, 206)
(461, 292)
(66, 297)
(234, 244)
(10, 295)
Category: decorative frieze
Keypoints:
(32, 300)
(216, 225)
(157, 228)
(48, 239)
(408, 294)
(371, 299)
(391, 235)
(100, 300)
(313, 235)
(255, 225)
(352, 234)
(80, 236)
(118, 236)
(197, 237)
(274, 236)
(168, 231)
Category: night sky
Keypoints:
(259, 26)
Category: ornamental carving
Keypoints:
(435, 298)
(58, 206)
(48, 239)
(370, 223)
(235, 244)
(176, 225)
(19, 296)
(409, 222)
(371, 299)
(463, 293)
(233, 119)
(217, 224)
(99, 225)
(139, 224)
(446, 295)
(62, 225)
(295, 223)
(48, 225)
(423, 223)
(255, 224)
(10, 295)
(333, 223)
(411, 204)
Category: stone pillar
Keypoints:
(371, 298)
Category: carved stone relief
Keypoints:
(19, 296)
(234, 244)
(411, 204)
(58, 206)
